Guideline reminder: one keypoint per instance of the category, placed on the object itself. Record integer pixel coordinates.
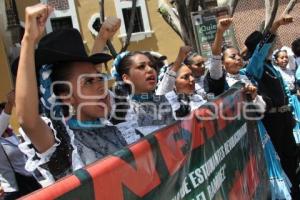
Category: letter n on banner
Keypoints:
(174, 143)
(139, 176)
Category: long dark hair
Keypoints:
(2, 106)
(121, 89)
(61, 72)
(224, 48)
(124, 65)
(296, 47)
(276, 54)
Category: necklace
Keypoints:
(76, 124)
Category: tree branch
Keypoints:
(289, 7)
(131, 26)
(267, 11)
(233, 4)
(271, 11)
(186, 24)
(102, 11)
(202, 4)
(170, 16)
(194, 4)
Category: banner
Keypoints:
(205, 28)
(213, 154)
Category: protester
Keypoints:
(183, 98)
(64, 140)
(295, 98)
(82, 121)
(296, 106)
(189, 58)
(225, 66)
(278, 119)
(177, 81)
(14, 179)
(296, 50)
(233, 62)
(197, 64)
(284, 62)
(168, 73)
(136, 101)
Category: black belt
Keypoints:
(281, 109)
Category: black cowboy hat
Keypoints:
(251, 42)
(65, 45)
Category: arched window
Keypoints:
(94, 24)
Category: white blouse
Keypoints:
(288, 75)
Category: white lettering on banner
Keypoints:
(232, 142)
(199, 175)
(203, 173)
(216, 183)
(212, 163)
(184, 190)
(200, 196)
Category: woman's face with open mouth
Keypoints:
(142, 74)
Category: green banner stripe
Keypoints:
(161, 166)
(86, 189)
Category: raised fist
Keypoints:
(285, 19)
(224, 24)
(109, 28)
(183, 52)
(251, 90)
(35, 20)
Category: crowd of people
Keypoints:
(69, 118)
